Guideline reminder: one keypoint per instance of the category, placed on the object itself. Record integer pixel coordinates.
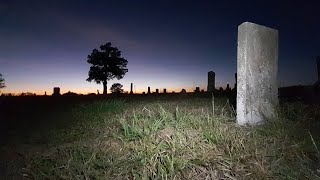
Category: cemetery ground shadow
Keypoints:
(39, 134)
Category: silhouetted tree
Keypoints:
(2, 85)
(106, 65)
(116, 88)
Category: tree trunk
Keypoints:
(105, 88)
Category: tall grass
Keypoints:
(183, 140)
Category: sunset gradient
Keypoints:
(172, 45)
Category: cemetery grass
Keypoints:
(170, 138)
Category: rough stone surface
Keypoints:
(211, 81)
(257, 67)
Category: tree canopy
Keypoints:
(116, 88)
(106, 65)
(2, 85)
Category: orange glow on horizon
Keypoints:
(88, 91)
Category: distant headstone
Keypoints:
(56, 91)
(197, 90)
(183, 91)
(211, 81)
(164, 91)
(131, 88)
(228, 87)
(149, 90)
(257, 66)
(157, 91)
(143, 92)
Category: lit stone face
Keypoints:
(257, 67)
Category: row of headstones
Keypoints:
(149, 90)
(197, 90)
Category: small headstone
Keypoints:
(164, 91)
(157, 91)
(56, 91)
(197, 90)
(131, 88)
(228, 87)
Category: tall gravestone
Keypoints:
(149, 90)
(131, 88)
(257, 67)
(211, 81)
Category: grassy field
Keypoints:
(172, 137)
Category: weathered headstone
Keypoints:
(211, 81)
(257, 67)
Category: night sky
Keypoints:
(168, 44)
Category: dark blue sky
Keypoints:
(168, 44)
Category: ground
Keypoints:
(153, 137)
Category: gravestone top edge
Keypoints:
(256, 25)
